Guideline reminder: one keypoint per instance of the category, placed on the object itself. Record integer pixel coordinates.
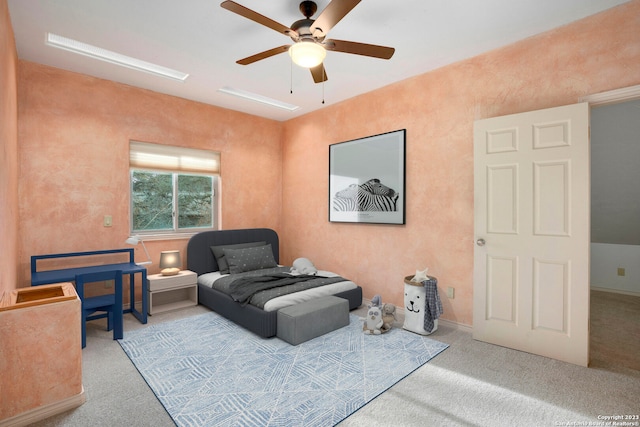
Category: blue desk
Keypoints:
(69, 275)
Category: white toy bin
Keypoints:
(414, 307)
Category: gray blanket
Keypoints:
(258, 287)
(432, 303)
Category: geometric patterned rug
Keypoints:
(207, 371)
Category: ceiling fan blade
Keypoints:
(319, 74)
(382, 52)
(262, 55)
(331, 15)
(256, 17)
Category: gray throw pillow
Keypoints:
(249, 259)
(218, 253)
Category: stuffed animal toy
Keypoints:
(303, 266)
(373, 322)
(376, 301)
(388, 316)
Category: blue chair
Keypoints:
(109, 304)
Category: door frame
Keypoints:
(612, 96)
(616, 96)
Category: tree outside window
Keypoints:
(171, 201)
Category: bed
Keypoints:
(261, 321)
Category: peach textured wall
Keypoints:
(74, 133)
(8, 154)
(438, 109)
(74, 129)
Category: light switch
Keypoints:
(107, 221)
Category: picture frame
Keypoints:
(367, 179)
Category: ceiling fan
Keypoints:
(310, 46)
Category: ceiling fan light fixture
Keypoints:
(307, 53)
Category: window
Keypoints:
(172, 188)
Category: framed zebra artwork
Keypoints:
(367, 179)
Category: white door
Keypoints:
(532, 224)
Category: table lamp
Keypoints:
(134, 240)
(170, 263)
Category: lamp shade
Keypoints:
(170, 263)
(132, 240)
(307, 53)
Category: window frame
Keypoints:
(174, 161)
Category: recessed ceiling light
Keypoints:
(113, 57)
(258, 98)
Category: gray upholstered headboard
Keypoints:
(200, 258)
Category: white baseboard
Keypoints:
(615, 291)
(46, 411)
(458, 326)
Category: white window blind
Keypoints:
(144, 155)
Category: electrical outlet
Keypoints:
(107, 221)
(621, 271)
(450, 292)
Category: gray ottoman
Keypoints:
(301, 322)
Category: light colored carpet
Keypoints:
(470, 384)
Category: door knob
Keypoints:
(480, 242)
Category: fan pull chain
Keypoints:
(323, 80)
(291, 77)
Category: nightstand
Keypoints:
(172, 292)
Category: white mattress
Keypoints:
(274, 304)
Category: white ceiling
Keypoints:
(200, 38)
